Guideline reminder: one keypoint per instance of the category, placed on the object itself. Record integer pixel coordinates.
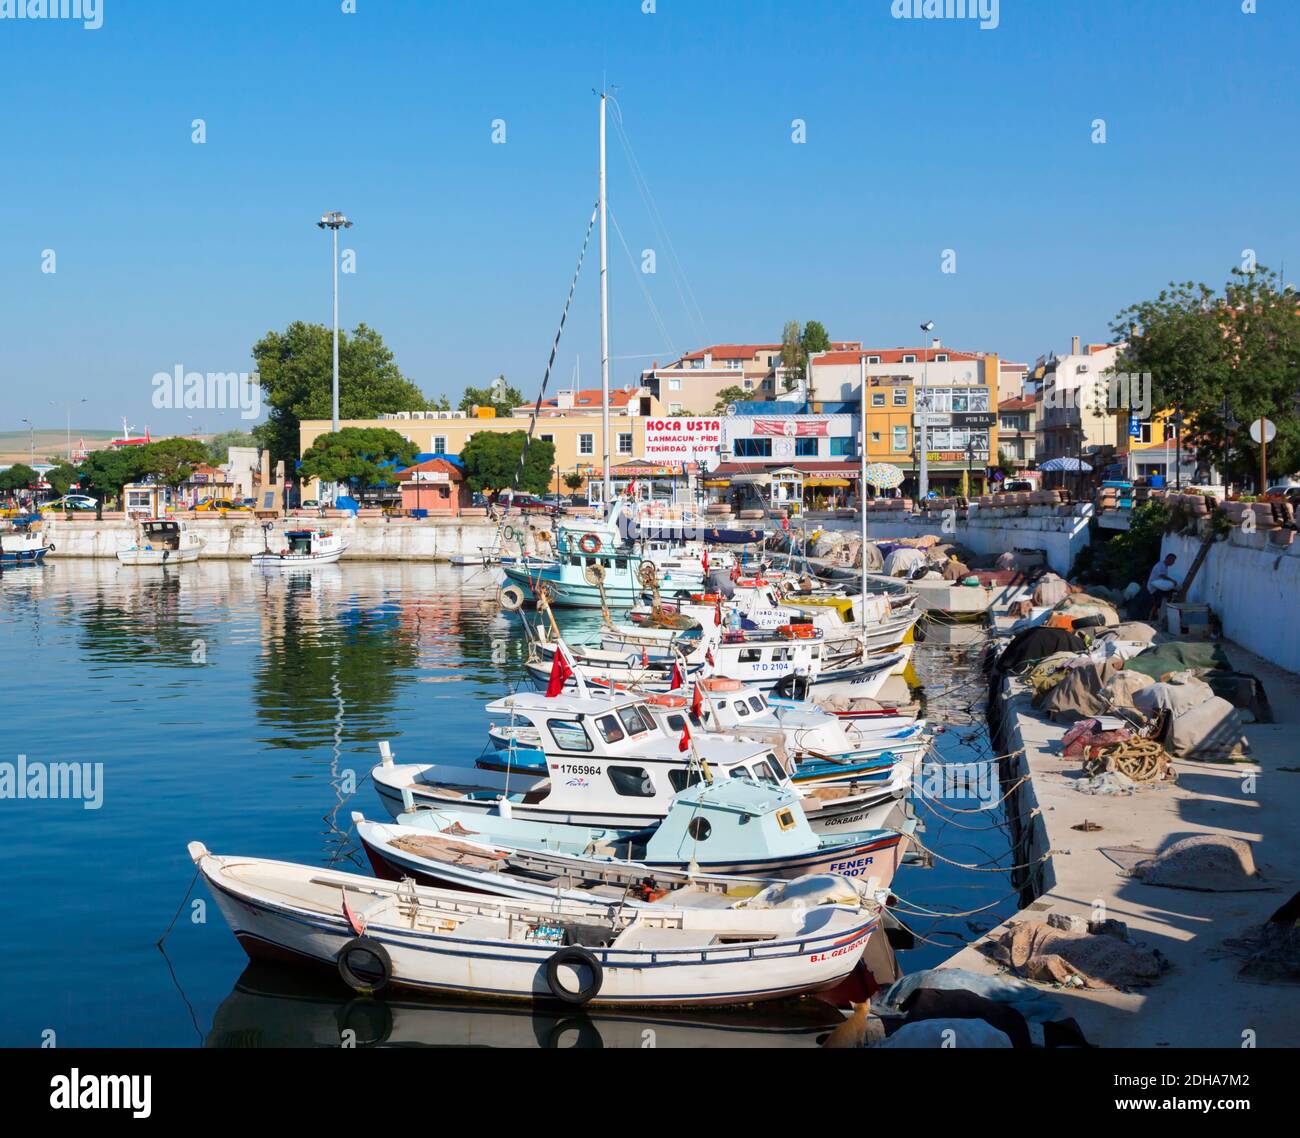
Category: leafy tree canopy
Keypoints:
(500, 395)
(296, 373)
(359, 456)
(17, 477)
(106, 471)
(219, 445)
(61, 478)
(1223, 360)
(729, 395)
(492, 457)
(170, 461)
(814, 338)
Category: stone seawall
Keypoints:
(367, 539)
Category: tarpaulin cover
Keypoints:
(1209, 731)
(1121, 688)
(1173, 698)
(1032, 1003)
(1178, 656)
(1037, 644)
(1078, 695)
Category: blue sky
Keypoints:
(921, 136)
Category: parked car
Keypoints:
(309, 504)
(525, 503)
(1284, 494)
(222, 505)
(1018, 485)
(556, 501)
(69, 503)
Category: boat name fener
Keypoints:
(852, 868)
(38, 780)
(213, 391)
(986, 11)
(89, 12)
(75, 1091)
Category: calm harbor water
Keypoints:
(244, 710)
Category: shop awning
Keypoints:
(821, 480)
(762, 479)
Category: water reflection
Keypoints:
(271, 1006)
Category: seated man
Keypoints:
(1160, 584)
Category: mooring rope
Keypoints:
(920, 910)
(985, 868)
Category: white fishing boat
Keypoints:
(797, 937)
(304, 547)
(727, 837)
(605, 760)
(23, 542)
(162, 541)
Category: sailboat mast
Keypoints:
(607, 497)
(862, 496)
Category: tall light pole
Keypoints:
(334, 221)
(32, 427)
(923, 475)
(604, 314)
(68, 423)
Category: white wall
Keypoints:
(1060, 538)
(1253, 587)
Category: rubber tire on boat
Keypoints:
(354, 979)
(511, 598)
(370, 1021)
(575, 1032)
(574, 955)
(50, 548)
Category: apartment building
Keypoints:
(1076, 418)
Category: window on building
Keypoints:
(733, 365)
(749, 385)
(875, 437)
(625, 442)
(841, 445)
(439, 444)
(586, 444)
(805, 448)
(753, 448)
(877, 399)
(674, 385)
(697, 365)
(900, 439)
(873, 359)
(941, 358)
(1145, 432)
(900, 396)
(909, 359)
(674, 408)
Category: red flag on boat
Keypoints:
(708, 656)
(676, 680)
(697, 703)
(717, 614)
(785, 522)
(560, 672)
(645, 657)
(684, 743)
(705, 560)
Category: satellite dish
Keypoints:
(1265, 428)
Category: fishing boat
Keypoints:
(305, 547)
(796, 937)
(24, 542)
(720, 836)
(606, 761)
(162, 541)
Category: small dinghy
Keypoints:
(162, 541)
(793, 938)
(305, 547)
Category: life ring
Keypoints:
(365, 965)
(589, 543)
(511, 598)
(574, 957)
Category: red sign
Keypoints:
(792, 428)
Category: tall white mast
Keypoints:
(604, 320)
(862, 497)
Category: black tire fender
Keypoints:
(573, 955)
(356, 974)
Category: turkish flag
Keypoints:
(676, 680)
(708, 656)
(560, 672)
(785, 522)
(645, 657)
(684, 743)
(705, 560)
(697, 702)
(717, 614)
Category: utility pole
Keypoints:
(604, 316)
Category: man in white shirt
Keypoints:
(1160, 584)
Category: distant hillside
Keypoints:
(51, 442)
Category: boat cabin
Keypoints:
(160, 533)
(733, 820)
(303, 542)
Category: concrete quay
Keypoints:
(1199, 1002)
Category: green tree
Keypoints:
(1222, 361)
(440, 403)
(573, 480)
(491, 459)
(359, 456)
(105, 472)
(295, 371)
(61, 478)
(814, 339)
(171, 461)
(18, 477)
(729, 395)
(219, 445)
(792, 347)
(500, 395)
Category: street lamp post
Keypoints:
(334, 221)
(68, 423)
(32, 427)
(923, 474)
